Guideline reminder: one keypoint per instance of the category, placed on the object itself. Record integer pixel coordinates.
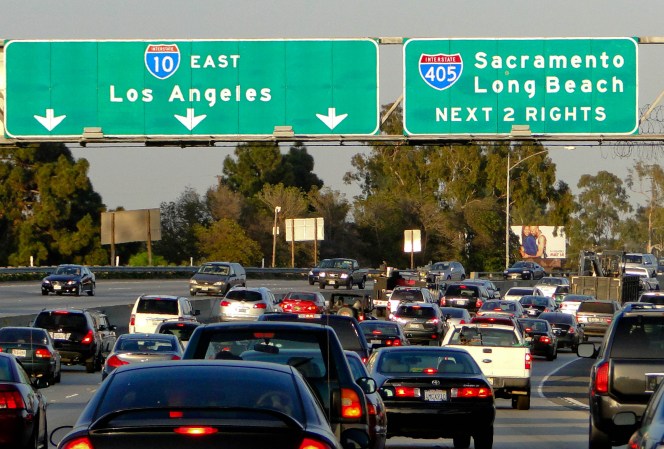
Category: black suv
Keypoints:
(629, 365)
(82, 337)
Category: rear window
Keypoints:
(145, 345)
(483, 336)
(415, 312)
(564, 318)
(37, 336)
(157, 306)
(407, 295)
(639, 337)
(415, 361)
(596, 307)
(534, 300)
(654, 299)
(380, 328)
(454, 312)
(301, 296)
(470, 291)
(66, 321)
(182, 331)
(5, 370)
(244, 295)
(520, 291)
(499, 306)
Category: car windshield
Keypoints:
(336, 263)
(244, 295)
(61, 320)
(219, 270)
(639, 337)
(68, 271)
(415, 311)
(521, 265)
(157, 306)
(442, 266)
(417, 361)
(633, 258)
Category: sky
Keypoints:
(136, 177)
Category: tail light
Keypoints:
(544, 339)
(260, 305)
(371, 409)
(432, 321)
(601, 381)
(443, 301)
(11, 399)
(361, 318)
(195, 430)
(479, 303)
(462, 321)
(351, 407)
(79, 443)
(42, 353)
(114, 361)
(89, 338)
(309, 443)
(396, 342)
(224, 303)
(528, 361)
(608, 320)
(365, 360)
(571, 330)
(132, 320)
(407, 392)
(471, 392)
(175, 357)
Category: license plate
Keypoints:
(414, 326)
(18, 352)
(435, 395)
(374, 342)
(331, 282)
(57, 287)
(242, 310)
(59, 336)
(460, 302)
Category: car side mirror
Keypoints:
(586, 350)
(367, 384)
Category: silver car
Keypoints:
(246, 304)
(446, 271)
(141, 348)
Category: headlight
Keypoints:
(46, 281)
(193, 282)
(344, 275)
(505, 272)
(321, 274)
(526, 271)
(219, 283)
(311, 273)
(72, 282)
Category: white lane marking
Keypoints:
(71, 396)
(552, 373)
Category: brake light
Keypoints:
(443, 301)
(224, 303)
(195, 430)
(462, 321)
(430, 371)
(351, 407)
(529, 361)
(132, 320)
(396, 342)
(608, 320)
(365, 360)
(478, 303)
(260, 305)
(407, 392)
(361, 318)
(371, 409)
(114, 361)
(42, 353)
(571, 330)
(79, 443)
(309, 443)
(601, 384)
(432, 321)
(89, 337)
(376, 332)
(11, 399)
(471, 392)
(545, 339)
(175, 357)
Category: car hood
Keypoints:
(209, 277)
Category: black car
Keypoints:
(22, 407)
(650, 433)
(566, 329)
(34, 348)
(422, 322)
(381, 333)
(467, 296)
(347, 329)
(543, 341)
(629, 365)
(72, 279)
(534, 305)
(435, 393)
(203, 403)
(81, 337)
(313, 349)
(524, 270)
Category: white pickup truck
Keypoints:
(503, 356)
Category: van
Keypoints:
(150, 310)
(641, 260)
(217, 278)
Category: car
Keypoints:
(515, 293)
(626, 371)
(650, 432)
(534, 305)
(141, 348)
(542, 340)
(456, 315)
(596, 316)
(203, 403)
(410, 294)
(654, 298)
(303, 302)
(341, 272)
(549, 284)
(466, 296)
(420, 384)
(506, 307)
(560, 294)
(496, 318)
(660, 266)
(640, 260)
(72, 279)
(357, 305)
(150, 310)
(445, 271)
(181, 329)
(491, 288)
(422, 322)
(346, 328)
(572, 301)
(377, 411)
(379, 333)
(313, 349)
(217, 278)
(245, 304)
(82, 337)
(524, 270)
(35, 350)
(566, 329)
(23, 410)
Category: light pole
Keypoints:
(507, 203)
(277, 209)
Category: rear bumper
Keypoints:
(506, 387)
(602, 411)
(444, 422)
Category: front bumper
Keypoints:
(207, 289)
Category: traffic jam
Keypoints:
(421, 356)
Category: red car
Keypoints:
(303, 303)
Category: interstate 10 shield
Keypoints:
(162, 60)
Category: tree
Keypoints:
(226, 240)
(48, 208)
(648, 181)
(257, 164)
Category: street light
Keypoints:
(277, 209)
(507, 204)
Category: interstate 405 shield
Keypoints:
(553, 85)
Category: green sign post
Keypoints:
(555, 86)
(191, 88)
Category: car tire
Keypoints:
(58, 293)
(44, 293)
(362, 283)
(463, 277)
(192, 292)
(523, 402)
(484, 440)
(91, 292)
(461, 441)
(552, 356)
(321, 285)
(349, 286)
(58, 377)
(597, 439)
(77, 291)
(33, 442)
(90, 365)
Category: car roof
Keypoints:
(140, 336)
(315, 319)
(166, 297)
(249, 365)
(268, 324)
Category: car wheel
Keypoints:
(362, 283)
(91, 292)
(192, 292)
(552, 355)
(99, 362)
(33, 442)
(336, 286)
(77, 291)
(58, 377)
(461, 441)
(523, 402)
(311, 282)
(484, 440)
(597, 439)
(90, 364)
(321, 285)
(349, 286)
(45, 292)
(58, 293)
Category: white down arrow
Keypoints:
(190, 121)
(332, 119)
(50, 121)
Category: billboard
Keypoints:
(124, 226)
(541, 242)
(305, 229)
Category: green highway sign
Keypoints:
(191, 88)
(555, 86)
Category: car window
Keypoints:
(638, 337)
(244, 295)
(180, 330)
(158, 306)
(61, 320)
(356, 367)
(380, 328)
(407, 295)
(8, 335)
(5, 369)
(414, 361)
(596, 307)
(416, 311)
(476, 336)
(471, 291)
(145, 344)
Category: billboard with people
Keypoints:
(541, 242)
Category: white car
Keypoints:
(245, 304)
(549, 284)
(515, 293)
(150, 310)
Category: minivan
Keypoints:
(150, 310)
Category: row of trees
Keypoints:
(454, 193)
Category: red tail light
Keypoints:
(195, 431)
(79, 443)
(529, 361)
(351, 407)
(544, 339)
(361, 318)
(601, 383)
(224, 303)
(371, 409)
(89, 338)
(471, 392)
(478, 303)
(11, 399)
(571, 330)
(260, 305)
(42, 353)
(175, 357)
(309, 443)
(365, 360)
(114, 361)
(462, 321)
(407, 392)
(396, 342)
(443, 301)
(388, 342)
(132, 320)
